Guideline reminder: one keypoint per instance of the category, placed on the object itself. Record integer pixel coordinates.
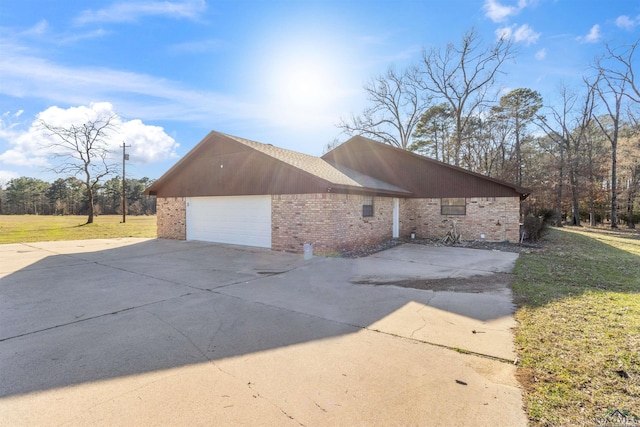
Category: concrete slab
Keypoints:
(40, 255)
(419, 261)
(36, 299)
(325, 288)
(188, 333)
(362, 378)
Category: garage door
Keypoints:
(238, 220)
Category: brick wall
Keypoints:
(495, 217)
(171, 217)
(334, 222)
(331, 222)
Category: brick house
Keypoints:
(232, 190)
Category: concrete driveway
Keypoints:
(159, 332)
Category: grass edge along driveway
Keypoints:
(578, 337)
(47, 228)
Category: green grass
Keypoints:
(578, 337)
(40, 228)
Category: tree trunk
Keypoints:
(630, 222)
(559, 192)
(89, 201)
(458, 143)
(90, 207)
(614, 186)
(518, 153)
(575, 199)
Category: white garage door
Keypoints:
(238, 220)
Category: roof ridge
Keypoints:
(271, 146)
(317, 166)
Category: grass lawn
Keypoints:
(579, 326)
(40, 228)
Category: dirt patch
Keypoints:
(525, 247)
(473, 284)
(370, 250)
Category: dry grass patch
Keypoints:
(41, 228)
(579, 326)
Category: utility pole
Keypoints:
(125, 157)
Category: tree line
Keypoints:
(68, 196)
(579, 153)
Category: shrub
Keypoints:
(623, 217)
(533, 227)
(548, 215)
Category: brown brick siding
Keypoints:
(495, 217)
(334, 222)
(331, 222)
(171, 218)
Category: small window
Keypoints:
(367, 206)
(453, 206)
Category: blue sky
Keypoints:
(278, 72)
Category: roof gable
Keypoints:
(265, 169)
(423, 176)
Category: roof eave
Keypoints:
(338, 188)
(524, 192)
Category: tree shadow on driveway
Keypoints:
(78, 312)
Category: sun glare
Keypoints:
(304, 75)
(304, 81)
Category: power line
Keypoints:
(125, 157)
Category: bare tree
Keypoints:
(462, 76)
(496, 133)
(568, 130)
(396, 107)
(617, 80)
(623, 57)
(596, 169)
(611, 91)
(334, 143)
(630, 168)
(82, 151)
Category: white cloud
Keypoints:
(131, 11)
(593, 36)
(199, 46)
(37, 30)
(42, 32)
(541, 54)
(504, 33)
(498, 12)
(137, 95)
(17, 157)
(25, 148)
(522, 34)
(626, 23)
(148, 143)
(72, 38)
(6, 176)
(30, 147)
(526, 35)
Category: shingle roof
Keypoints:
(316, 166)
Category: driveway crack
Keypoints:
(91, 318)
(257, 394)
(419, 312)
